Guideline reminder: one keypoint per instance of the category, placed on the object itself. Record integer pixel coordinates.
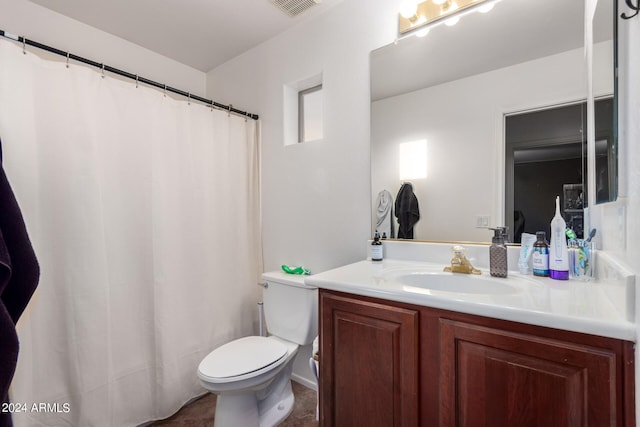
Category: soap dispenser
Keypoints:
(498, 253)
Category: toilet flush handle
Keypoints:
(261, 330)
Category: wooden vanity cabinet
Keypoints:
(384, 363)
(499, 377)
(369, 363)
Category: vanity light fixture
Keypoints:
(416, 14)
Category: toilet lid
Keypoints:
(242, 356)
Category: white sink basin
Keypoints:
(458, 283)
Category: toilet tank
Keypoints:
(290, 307)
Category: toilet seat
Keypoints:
(241, 359)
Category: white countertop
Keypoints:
(596, 307)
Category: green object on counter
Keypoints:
(295, 270)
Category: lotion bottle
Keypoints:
(498, 253)
(558, 253)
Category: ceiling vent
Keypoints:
(294, 7)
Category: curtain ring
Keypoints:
(165, 91)
(211, 106)
(103, 71)
(136, 81)
(229, 110)
(188, 98)
(246, 114)
(24, 45)
(67, 59)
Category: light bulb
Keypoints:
(422, 33)
(452, 21)
(485, 8)
(438, 2)
(408, 8)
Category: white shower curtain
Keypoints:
(143, 211)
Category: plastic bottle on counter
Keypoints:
(558, 253)
(541, 255)
(376, 248)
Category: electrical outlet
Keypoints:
(482, 221)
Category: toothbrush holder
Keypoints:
(581, 259)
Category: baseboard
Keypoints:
(304, 381)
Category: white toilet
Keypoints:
(252, 375)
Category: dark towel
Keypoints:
(407, 211)
(19, 274)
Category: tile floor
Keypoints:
(200, 412)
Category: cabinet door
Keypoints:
(497, 378)
(369, 363)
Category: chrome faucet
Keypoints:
(460, 263)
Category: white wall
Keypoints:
(315, 196)
(40, 24)
(630, 152)
(617, 223)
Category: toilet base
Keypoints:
(274, 411)
(236, 409)
(246, 410)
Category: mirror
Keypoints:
(553, 140)
(446, 96)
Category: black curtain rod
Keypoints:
(137, 78)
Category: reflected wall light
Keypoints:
(413, 160)
(416, 14)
